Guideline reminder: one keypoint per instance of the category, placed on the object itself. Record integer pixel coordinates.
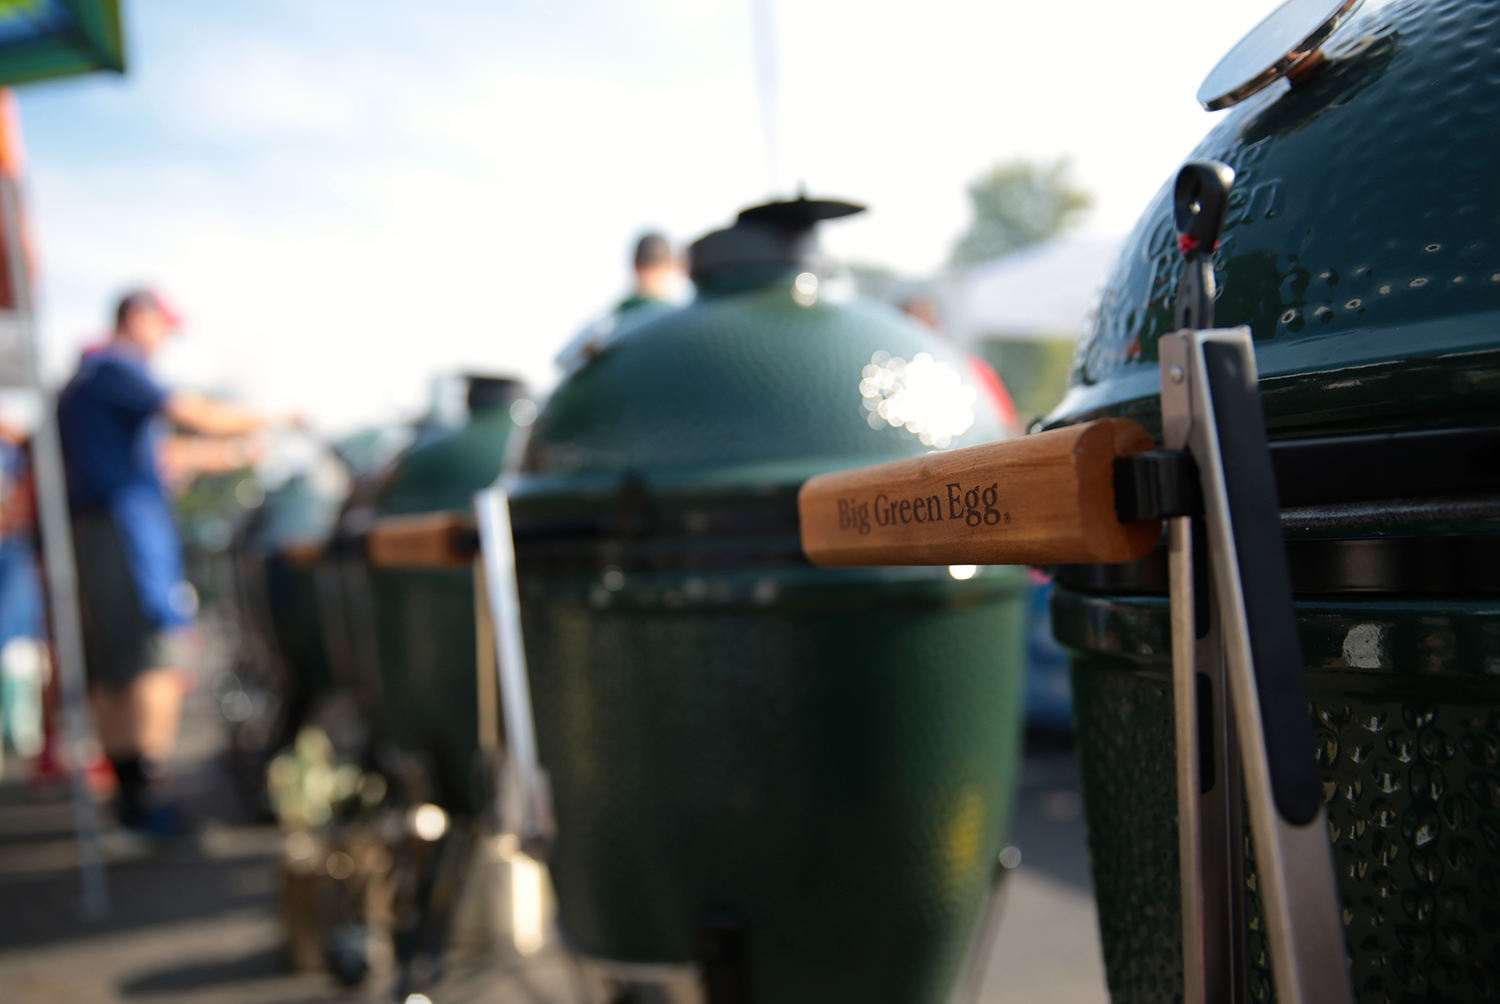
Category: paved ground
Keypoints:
(1046, 950)
(206, 932)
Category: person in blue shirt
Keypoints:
(135, 602)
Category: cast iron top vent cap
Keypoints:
(486, 392)
(1286, 44)
(765, 240)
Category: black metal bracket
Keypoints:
(1157, 485)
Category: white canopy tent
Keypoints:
(1044, 293)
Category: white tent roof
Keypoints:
(1043, 292)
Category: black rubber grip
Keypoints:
(1275, 650)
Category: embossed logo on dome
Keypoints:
(925, 396)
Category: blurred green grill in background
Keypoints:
(284, 667)
(799, 777)
(423, 618)
(287, 536)
(1362, 248)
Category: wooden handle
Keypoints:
(1039, 500)
(302, 554)
(430, 540)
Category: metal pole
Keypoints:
(498, 555)
(1208, 768)
(768, 83)
(59, 568)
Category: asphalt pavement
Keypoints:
(205, 929)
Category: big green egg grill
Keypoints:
(794, 779)
(1360, 249)
(1287, 725)
(421, 618)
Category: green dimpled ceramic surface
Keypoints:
(1408, 730)
(752, 377)
(835, 771)
(1361, 233)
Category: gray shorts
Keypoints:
(119, 642)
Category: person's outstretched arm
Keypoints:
(213, 418)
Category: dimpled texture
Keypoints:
(1364, 226)
(1123, 720)
(1407, 719)
(835, 770)
(752, 376)
(1413, 791)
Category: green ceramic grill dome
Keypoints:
(821, 759)
(1362, 247)
(424, 617)
(1363, 231)
(295, 516)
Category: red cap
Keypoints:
(151, 299)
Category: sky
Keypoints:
(348, 197)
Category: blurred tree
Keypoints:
(1018, 203)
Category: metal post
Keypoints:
(533, 820)
(1209, 824)
(59, 568)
